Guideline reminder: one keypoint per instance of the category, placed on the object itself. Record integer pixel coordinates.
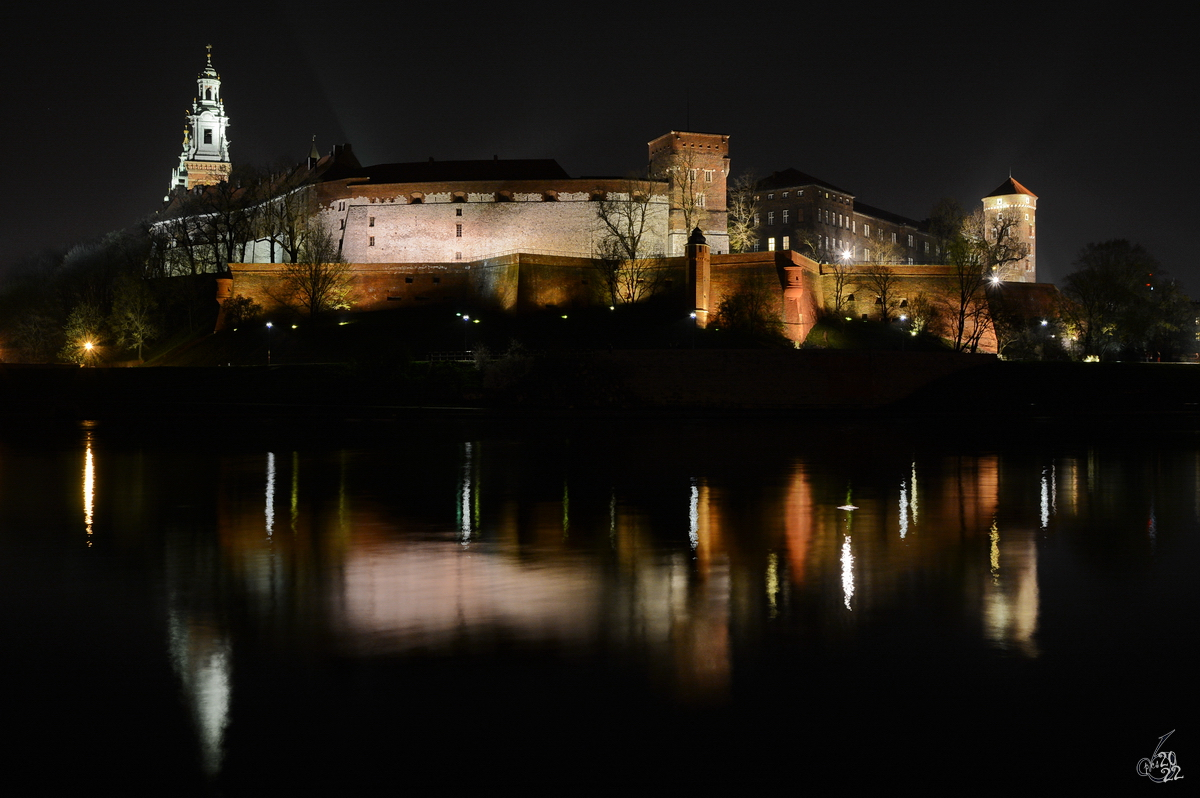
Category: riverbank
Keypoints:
(649, 381)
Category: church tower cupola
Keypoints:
(205, 157)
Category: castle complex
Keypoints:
(523, 234)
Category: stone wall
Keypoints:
(469, 221)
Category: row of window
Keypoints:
(371, 239)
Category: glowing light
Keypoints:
(903, 509)
(88, 345)
(847, 507)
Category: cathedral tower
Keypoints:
(205, 157)
(1013, 198)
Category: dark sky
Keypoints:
(1095, 114)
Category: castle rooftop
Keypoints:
(1011, 186)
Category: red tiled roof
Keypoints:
(1011, 186)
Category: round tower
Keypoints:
(1015, 202)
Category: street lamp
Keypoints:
(269, 326)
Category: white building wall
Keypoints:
(429, 232)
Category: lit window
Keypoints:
(770, 245)
(867, 230)
(787, 243)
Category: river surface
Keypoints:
(581, 606)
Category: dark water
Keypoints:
(581, 607)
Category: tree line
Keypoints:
(154, 282)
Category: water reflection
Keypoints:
(456, 549)
(89, 485)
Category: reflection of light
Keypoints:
(464, 506)
(903, 509)
(612, 518)
(773, 583)
(270, 511)
(913, 500)
(89, 486)
(295, 489)
(994, 536)
(1152, 526)
(566, 504)
(694, 516)
(1045, 499)
(847, 572)
(201, 657)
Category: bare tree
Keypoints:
(687, 188)
(742, 214)
(318, 280)
(883, 281)
(627, 252)
(982, 254)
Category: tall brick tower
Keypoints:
(205, 157)
(696, 168)
(1013, 198)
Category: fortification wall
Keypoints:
(374, 286)
(464, 222)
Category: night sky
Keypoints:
(1094, 114)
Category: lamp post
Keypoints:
(269, 326)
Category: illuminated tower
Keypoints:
(205, 157)
(696, 166)
(1013, 198)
